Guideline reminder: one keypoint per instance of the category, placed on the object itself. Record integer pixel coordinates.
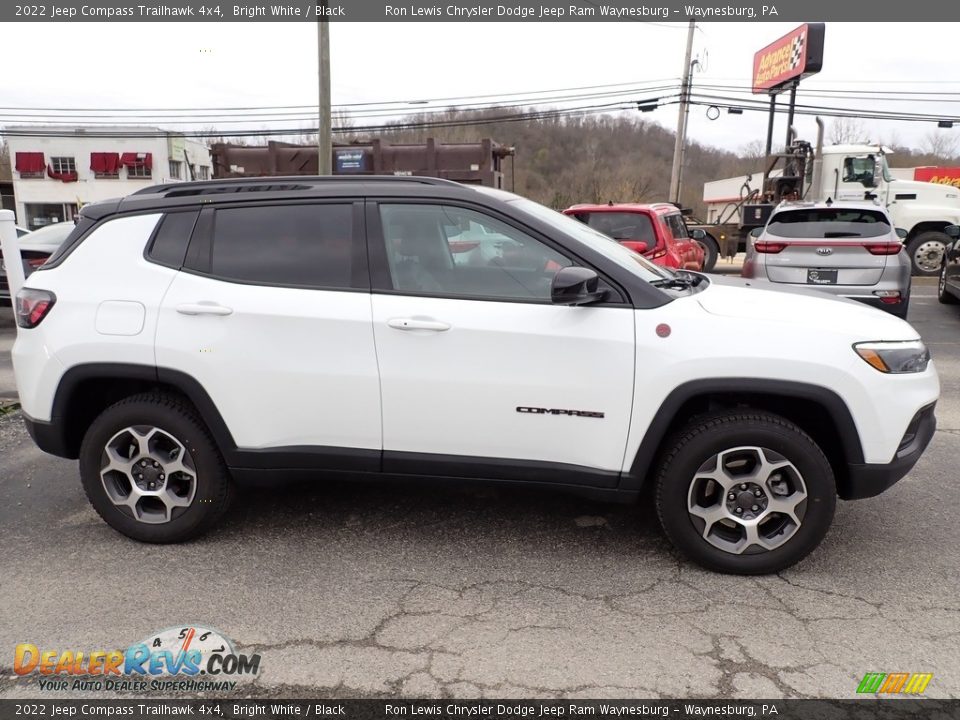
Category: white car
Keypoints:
(194, 335)
(35, 248)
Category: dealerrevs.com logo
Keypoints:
(186, 659)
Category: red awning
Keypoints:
(64, 176)
(29, 162)
(105, 163)
(144, 160)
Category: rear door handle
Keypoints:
(414, 324)
(203, 308)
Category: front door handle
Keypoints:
(415, 324)
(203, 308)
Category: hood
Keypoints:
(926, 192)
(758, 300)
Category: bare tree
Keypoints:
(847, 130)
(941, 145)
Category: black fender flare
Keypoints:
(656, 433)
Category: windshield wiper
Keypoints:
(682, 280)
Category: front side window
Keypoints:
(678, 228)
(454, 251)
(816, 223)
(286, 245)
(859, 169)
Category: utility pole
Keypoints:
(677, 169)
(324, 141)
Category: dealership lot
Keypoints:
(381, 590)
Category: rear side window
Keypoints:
(294, 245)
(829, 223)
(171, 239)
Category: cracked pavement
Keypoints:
(383, 590)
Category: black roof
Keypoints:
(229, 190)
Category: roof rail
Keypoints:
(279, 183)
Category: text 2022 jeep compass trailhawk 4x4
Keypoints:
(196, 334)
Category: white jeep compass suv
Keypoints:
(195, 335)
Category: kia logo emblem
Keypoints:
(824, 251)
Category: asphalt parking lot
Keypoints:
(380, 590)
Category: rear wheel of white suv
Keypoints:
(745, 492)
(151, 470)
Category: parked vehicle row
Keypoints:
(414, 327)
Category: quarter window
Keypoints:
(453, 251)
(294, 245)
(169, 245)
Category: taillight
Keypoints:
(33, 306)
(883, 248)
(769, 247)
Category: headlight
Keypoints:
(895, 357)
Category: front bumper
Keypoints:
(868, 480)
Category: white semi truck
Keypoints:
(840, 172)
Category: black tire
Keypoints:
(916, 245)
(213, 488)
(706, 436)
(711, 251)
(943, 294)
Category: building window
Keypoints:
(138, 165)
(30, 164)
(176, 168)
(63, 165)
(105, 165)
(204, 173)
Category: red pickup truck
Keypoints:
(657, 231)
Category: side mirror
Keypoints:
(638, 246)
(952, 231)
(698, 234)
(576, 286)
(756, 232)
(902, 234)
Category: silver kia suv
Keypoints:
(849, 249)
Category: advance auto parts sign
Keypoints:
(796, 55)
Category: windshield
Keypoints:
(818, 223)
(637, 264)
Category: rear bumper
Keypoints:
(51, 437)
(869, 480)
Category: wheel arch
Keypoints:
(819, 411)
(925, 226)
(86, 390)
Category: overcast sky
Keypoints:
(173, 65)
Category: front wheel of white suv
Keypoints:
(745, 492)
(151, 470)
